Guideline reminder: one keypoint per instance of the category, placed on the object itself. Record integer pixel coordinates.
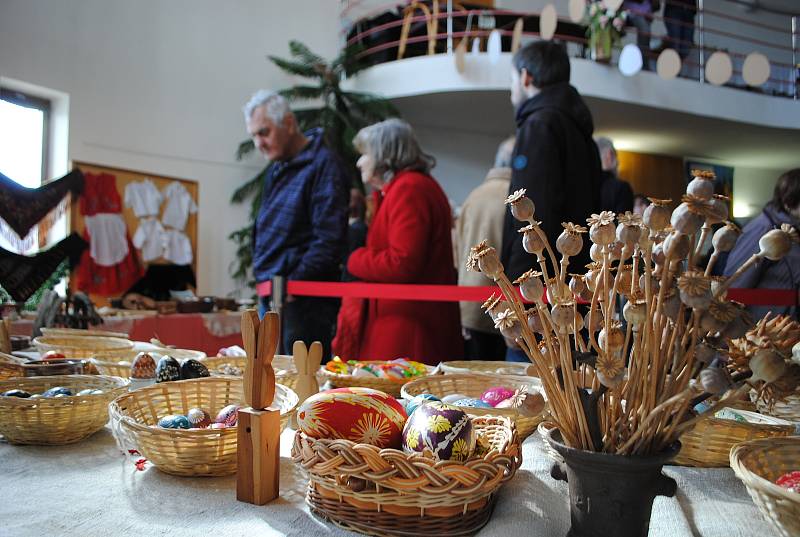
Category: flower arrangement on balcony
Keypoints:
(604, 28)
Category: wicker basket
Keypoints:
(85, 347)
(59, 420)
(10, 366)
(709, 443)
(544, 429)
(758, 464)
(484, 366)
(376, 491)
(390, 386)
(121, 366)
(788, 408)
(201, 452)
(473, 386)
(57, 332)
(285, 371)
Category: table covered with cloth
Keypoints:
(92, 489)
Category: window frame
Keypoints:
(27, 100)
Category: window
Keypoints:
(24, 137)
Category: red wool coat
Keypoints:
(409, 241)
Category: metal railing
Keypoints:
(779, 44)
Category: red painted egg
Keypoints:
(361, 415)
(53, 355)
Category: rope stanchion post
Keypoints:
(278, 299)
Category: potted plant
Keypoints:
(621, 396)
(603, 28)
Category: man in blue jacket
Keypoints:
(301, 229)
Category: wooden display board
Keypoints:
(123, 179)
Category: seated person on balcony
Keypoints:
(615, 195)
(555, 158)
(301, 228)
(640, 16)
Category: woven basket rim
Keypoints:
(66, 342)
(59, 332)
(751, 478)
(114, 382)
(292, 401)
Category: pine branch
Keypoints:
(295, 68)
(302, 93)
(301, 51)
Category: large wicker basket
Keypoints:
(709, 443)
(10, 366)
(198, 452)
(85, 347)
(758, 464)
(388, 492)
(390, 386)
(285, 370)
(60, 420)
(485, 366)
(474, 385)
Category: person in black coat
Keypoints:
(615, 195)
(555, 158)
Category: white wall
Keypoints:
(752, 189)
(158, 86)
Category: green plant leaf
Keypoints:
(302, 92)
(295, 68)
(301, 51)
(245, 148)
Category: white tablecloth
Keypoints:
(91, 489)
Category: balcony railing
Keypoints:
(388, 32)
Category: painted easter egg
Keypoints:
(192, 369)
(496, 394)
(174, 421)
(143, 367)
(790, 481)
(472, 403)
(444, 430)
(364, 372)
(228, 415)
(90, 391)
(452, 398)
(56, 391)
(198, 418)
(53, 355)
(16, 393)
(361, 415)
(168, 369)
(412, 405)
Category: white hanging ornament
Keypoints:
(756, 69)
(460, 56)
(577, 9)
(548, 20)
(495, 46)
(630, 60)
(668, 64)
(719, 68)
(516, 38)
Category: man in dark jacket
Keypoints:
(301, 228)
(555, 158)
(615, 195)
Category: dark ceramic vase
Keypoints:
(611, 495)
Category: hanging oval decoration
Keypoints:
(495, 46)
(719, 68)
(756, 69)
(548, 20)
(669, 64)
(516, 39)
(461, 52)
(476, 46)
(630, 60)
(577, 10)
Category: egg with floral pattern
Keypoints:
(496, 394)
(229, 415)
(472, 403)
(442, 429)
(412, 405)
(362, 415)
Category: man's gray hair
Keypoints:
(393, 146)
(274, 104)
(504, 153)
(605, 144)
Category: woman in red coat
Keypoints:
(409, 241)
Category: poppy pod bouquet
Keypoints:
(625, 380)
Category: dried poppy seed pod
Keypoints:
(724, 239)
(535, 321)
(715, 380)
(522, 208)
(624, 279)
(611, 339)
(579, 324)
(767, 365)
(594, 319)
(602, 230)
(489, 263)
(494, 305)
(695, 289)
(570, 242)
(596, 253)
(671, 306)
(576, 284)
(710, 323)
(654, 282)
(629, 228)
(704, 353)
(717, 210)
(611, 383)
(645, 241)
(658, 254)
(531, 241)
(656, 216)
(592, 276)
(531, 286)
(557, 291)
(687, 218)
(563, 316)
(701, 187)
(586, 294)
(740, 325)
(610, 370)
(775, 244)
(615, 250)
(506, 322)
(627, 251)
(677, 246)
(635, 313)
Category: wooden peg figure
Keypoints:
(259, 426)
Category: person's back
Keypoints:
(555, 158)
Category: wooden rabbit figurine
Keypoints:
(307, 363)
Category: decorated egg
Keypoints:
(56, 391)
(444, 430)
(412, 405)
(198, 418)
(16, 393)
(53, 355)
(496, 394)
(452, 398)
(192, 369)
(174, 421)
(361, 415)
(364, 372)
(396, 372)
(143, 367)
(217, 426)
(90, 391)
(228, 416)
(472, 403)
(168, 369)
(790, 481)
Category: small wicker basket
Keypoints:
(57, 332)
(386, 385)
(709, 443)
(376, 491)
(60, 420)
(473, 385)
(758, 463)
(121, 365)
(85, 347)
(200, 452)
(485, 366)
